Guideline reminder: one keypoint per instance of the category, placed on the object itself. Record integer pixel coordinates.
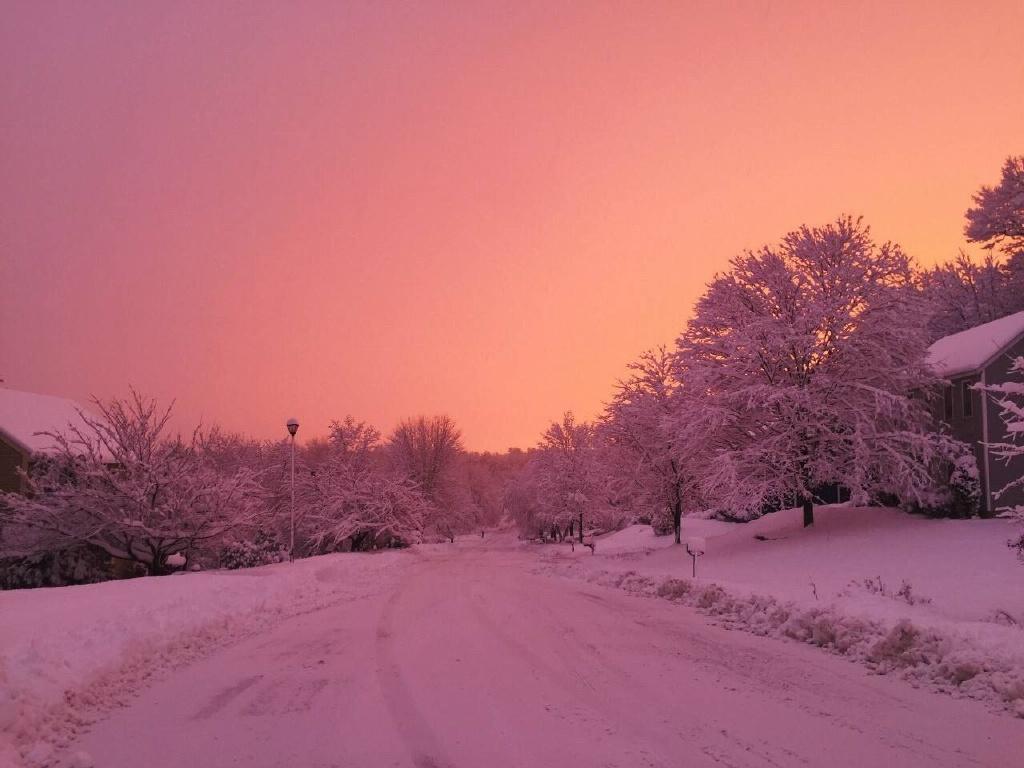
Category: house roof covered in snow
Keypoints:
(24, 415)
(973, 349)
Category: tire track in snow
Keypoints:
(419, 738)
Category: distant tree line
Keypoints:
(122, 489)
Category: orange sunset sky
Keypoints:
(481, 209)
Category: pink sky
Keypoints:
(485, 210)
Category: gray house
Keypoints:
(23, 417)
(981, 355)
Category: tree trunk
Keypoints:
(677, 519)
(581, 527)
(808, 511)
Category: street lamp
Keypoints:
(293, 427)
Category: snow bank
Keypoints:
(938, 601)
(68, 654)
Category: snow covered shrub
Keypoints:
(78, 565)
(965, 487)
(662, 522)
(905, 645)
(673, 589)
(905, 593)
(710, 595)
(1017, 544)
(263, 549)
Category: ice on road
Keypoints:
(473, 660)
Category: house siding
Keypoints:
(968, 428)
(1002, 472)
(11, 459)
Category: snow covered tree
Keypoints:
(964, 293)
(521, 500)
(567, 475)
(638, 428)
(808, 361)
(120, 483)
(355, 497)
(429, 452)
(997, 218)
(426, 449)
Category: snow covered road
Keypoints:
(472, 660)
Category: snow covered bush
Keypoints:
(957, 486)
(62, 567)
(663, 521)
(263, 549)
(965, 486)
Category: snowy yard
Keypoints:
(941, 601)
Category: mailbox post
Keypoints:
(695, 547)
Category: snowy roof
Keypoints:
(23, 415)
(973, 349)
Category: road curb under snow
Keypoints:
(946, 660)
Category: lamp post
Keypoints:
(293, 427)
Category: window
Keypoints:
(968, 402)
(947, 397)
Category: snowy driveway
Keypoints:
(474, 661)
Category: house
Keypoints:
(24, 417)
(982, 355)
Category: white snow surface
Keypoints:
(478, 653)
(61, 649)
(855, 578)
(25, 415)
(969, 350)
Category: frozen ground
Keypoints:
(940, 602)
(465, 656)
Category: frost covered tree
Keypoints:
(997, 218)
(808, 361)
(966, 292)
(963, 293)
(567, 475)
(121, 483)
(355, 497)
(640, 433)
(426, 449)
(429, 451)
